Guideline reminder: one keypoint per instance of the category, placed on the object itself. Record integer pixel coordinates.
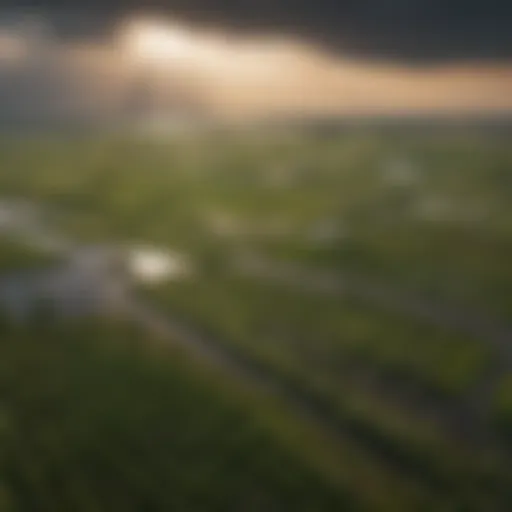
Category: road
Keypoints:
(387, 298)
(86, 282)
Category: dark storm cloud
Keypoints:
(406, 29)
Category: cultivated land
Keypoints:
(342, 340)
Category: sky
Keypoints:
(251, 59)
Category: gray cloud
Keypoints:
(412, 30)
(94, 76)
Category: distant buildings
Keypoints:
(401, 172)
(150, 265)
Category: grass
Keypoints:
(16, 256)
(90, 419)
(503, 406)
(409, 400)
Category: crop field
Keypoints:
(340, 339)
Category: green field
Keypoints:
(357, 287)
(91, 419)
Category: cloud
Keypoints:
(158, 68)
(411, 30)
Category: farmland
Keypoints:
(355, 288)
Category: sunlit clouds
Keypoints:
(256, 77)
(161, 66)
(12, 47)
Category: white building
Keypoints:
(152, 265)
